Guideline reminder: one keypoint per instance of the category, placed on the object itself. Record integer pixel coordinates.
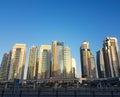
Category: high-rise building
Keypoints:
(119, 57)
(85, 55)
(45, 62)
(57, 59)
(67, 63)
(37, 68)
(74, 71)
(5, 66)
(17, 62)
(111, 57)
(100, 64)
(92, 67)
(9, 64)
(32, 62)
(0, 72)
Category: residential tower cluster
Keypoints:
(56, 62)
(107, 64)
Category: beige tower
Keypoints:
(32, 63)
(5, 66)
(44, 62)
(54, 59)
(92, 67)
(57, 59)
(100, 64)
(17, 62)
(67, 63)
(111, 57)
(74, 71)
(85, 55)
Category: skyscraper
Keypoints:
(119, 56)
(92, 67)
(0, 72)
(37, 67)
(45, 62)
(111, 57)
(100, 64)
(85, 55)
(74, 71)
(67, 63)
(57, 59)
(17, 62)
(5, 66)
(32, 62)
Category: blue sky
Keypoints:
(71, 21)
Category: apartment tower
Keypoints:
(100, 64)
(45, 62)
(17, 62)
(92, 67)
(111, 57)
(32, 63)
(67, 63)
(85, 55)
(74, 71)
(5, 66)
(57, 59)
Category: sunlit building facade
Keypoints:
(100, 64)
(17, 62)
(85, 55)
(67, 63)
(5, 66)
(57, 59)
(37, 67)
(111, 57)
(92, 67)
(0, 72)
(32, 63)
(45, 62)
(74, 71)
(119, 56)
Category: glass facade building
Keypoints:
(45, 62)
(57, 59)
(85, 55)
(17, 62)
(67, 63)
(32, 62)
(100, 64)
(74, 71)
(92, 67)
(5, 66)
(111, 57)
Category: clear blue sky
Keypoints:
(71, 21)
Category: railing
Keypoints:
(61, 92)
